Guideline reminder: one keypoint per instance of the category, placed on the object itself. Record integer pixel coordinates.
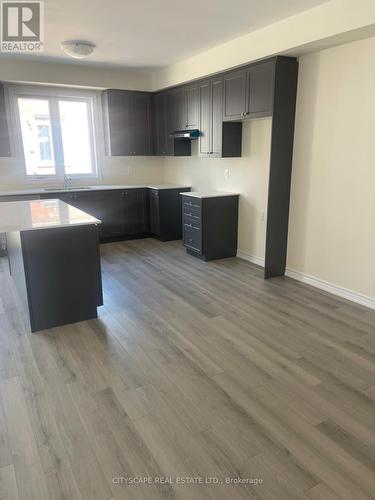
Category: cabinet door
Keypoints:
(4, 132)
(140, 123)
(112, 213)
(160, 124)
(180, 108)
(135, 212)
(116, 104)
(235, 90)
(171, 122)
(205, 119)
(217, 117)
(154, 212)
(260, 91)
(192, 106)
(88, 202)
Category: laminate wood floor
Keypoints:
(193, 370)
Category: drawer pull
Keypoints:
(192, 227)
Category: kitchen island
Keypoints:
(54, 261)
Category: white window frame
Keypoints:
(92, 97)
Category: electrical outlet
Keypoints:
(226, 173)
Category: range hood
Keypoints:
(185, 134)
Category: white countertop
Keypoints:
(99, 187)
(41, 214)
(168, 186)
(209, 194)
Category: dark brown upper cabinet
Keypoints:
(4, 131)
(205, 118)
(180, 108)
(217, 139)
(235, 95)
(216, 116)
(185, 103)
(192, 106)
(211, 117)
(260, 79)
(127, 120)
(171, 121)
(249, 93)
(160, 131)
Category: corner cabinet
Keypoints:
(127, 123)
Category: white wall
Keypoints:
(84, 75)
(115, 170)
(332, 228)
(328, 24)
(248, 175)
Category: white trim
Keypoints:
(345, 293)
(250, 258)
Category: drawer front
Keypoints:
(189, 202)
(190, 223)
(192, 216)
(193, 239)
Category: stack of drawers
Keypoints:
(192, 223)
(210, 225)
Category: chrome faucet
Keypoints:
(67, 181)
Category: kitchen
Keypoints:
(184, 289)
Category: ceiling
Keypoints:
(156, 33)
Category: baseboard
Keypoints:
(345, 293)
(250, 258)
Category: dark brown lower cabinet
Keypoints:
(154, 212)
(130, 212)
(210, 226)
(112, 214)
(57, 274)
(136, 220)
(165, 213)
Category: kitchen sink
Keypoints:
(71, 188)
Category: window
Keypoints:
(56, 131)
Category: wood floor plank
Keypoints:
(8, 483)
(25, 457)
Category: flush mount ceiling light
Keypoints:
(77, 48)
